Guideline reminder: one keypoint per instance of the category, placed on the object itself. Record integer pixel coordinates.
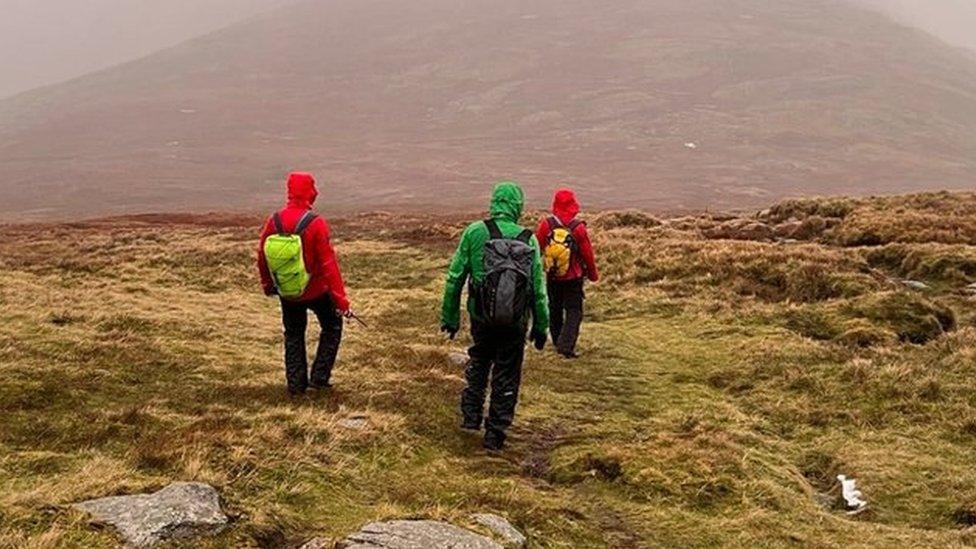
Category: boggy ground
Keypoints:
(724, 382)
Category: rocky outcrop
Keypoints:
(180, 511)
(742, 229)
(416, 534)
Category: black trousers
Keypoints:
(294, 316)
(497, 354)
(565, 313)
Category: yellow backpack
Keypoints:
(558, 255)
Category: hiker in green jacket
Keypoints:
(502, 263)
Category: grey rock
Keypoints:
(502, 528)
(317, 543)
(416, 534)
(356, 423)
(458, 358)
(180, 511)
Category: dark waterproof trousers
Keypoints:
(496, 355)
(565, 313)
(295, 319)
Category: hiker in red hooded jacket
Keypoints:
(566, 293)
(325, 294)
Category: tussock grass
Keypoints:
(723, 386)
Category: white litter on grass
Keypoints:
(852, 496)
(915, 285)
(691, 145)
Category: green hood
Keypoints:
(507, 201)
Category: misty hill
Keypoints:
(53, 39)
(425, 104)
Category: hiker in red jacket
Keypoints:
(324, 294)
(569, 259)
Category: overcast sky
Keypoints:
(47, 41)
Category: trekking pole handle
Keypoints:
(353, 316)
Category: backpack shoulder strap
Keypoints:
(305, 221)
(575, 223)
(276, 219)
(554, 223)
(525, 237)
(493, 230)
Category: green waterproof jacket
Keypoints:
(507, 202)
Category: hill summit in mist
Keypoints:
(666, 104)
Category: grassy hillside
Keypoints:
(724, 383)
(414, 104)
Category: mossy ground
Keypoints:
(716, 398)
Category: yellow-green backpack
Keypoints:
(286, 259)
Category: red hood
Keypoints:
(301, 190)
(565, 206)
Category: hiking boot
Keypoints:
(471, 427)
(568, 354)
(320, 386)
(494, 442)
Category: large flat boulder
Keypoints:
(416, 534)
(180, 511)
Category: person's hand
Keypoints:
(451, 331)
(539, 340)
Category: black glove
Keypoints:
(540, 341)
(451, 331)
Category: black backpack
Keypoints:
(505, 295)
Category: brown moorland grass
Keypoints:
(723, 385)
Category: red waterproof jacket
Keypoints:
(565, 207)
(320, 258)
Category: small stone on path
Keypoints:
(357, 423)
(502, 528)
(458, 358)
(317, 543)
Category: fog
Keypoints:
(954, 21)
(46, 41)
